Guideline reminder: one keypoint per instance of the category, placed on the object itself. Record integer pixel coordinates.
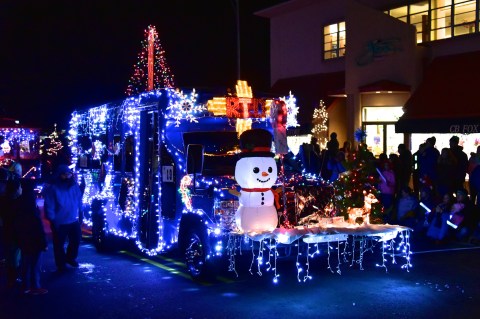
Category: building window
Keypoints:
(334, 41)
(418, 16)
(464, 17)
(440, 19)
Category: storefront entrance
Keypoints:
(381, 137)
(379, 125)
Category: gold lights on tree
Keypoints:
(320, 119)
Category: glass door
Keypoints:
(375, 138)
(392, 139)
(381, 137)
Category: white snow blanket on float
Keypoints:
(328, 233)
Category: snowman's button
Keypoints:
(262, 203)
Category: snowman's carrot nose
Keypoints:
(264, 174)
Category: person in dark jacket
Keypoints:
(31, 240)
(427, 163)
(406, 164)
(474, 175)
(416, 168)
(63, 203)
(9, 201)
(446, 165)
(462, 162)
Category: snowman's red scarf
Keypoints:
(251, 190)
(276, 197)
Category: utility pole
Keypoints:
(236, 5)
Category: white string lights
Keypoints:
(366, 243)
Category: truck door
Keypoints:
(147, 168)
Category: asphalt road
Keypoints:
(444, 282)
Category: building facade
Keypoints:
(378, 65)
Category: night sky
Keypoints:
(58, 56)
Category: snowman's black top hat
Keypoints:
(256, 143)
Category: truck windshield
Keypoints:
(220, 151)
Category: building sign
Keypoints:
(378, 49)
(464, 128)
(436, 125)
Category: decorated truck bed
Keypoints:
(344, 243)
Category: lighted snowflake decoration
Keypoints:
(292, 110)
(184, 107)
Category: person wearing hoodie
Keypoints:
(10, 199)
(31, 239)
(63, 203)
(460, 170)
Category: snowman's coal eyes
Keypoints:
(256, 170)
(270, 169)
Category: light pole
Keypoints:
(236, 5)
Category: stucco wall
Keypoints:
(371, 33)
(296, 40)
(337, 113)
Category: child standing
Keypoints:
(31, 241)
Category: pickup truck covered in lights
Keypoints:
(159, 169)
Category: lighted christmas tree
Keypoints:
(151, 71)
(51, 145)
(54, 150)
(356, 188)
(320, 118)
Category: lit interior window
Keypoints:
(334, 37)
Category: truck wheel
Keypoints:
(99, 237)
(195, 255)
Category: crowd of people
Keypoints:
(427, 191)
(22, 235)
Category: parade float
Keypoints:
(20, 144)
(214, 176)
(168, 171)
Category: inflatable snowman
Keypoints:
(256, 172)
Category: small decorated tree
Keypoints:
(53, 151)
(355, 190)
(151, 71)
(320, 119)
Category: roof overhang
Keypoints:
(447, 100)
(385, 86)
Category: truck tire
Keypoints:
(195, 255)
(99, 237)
